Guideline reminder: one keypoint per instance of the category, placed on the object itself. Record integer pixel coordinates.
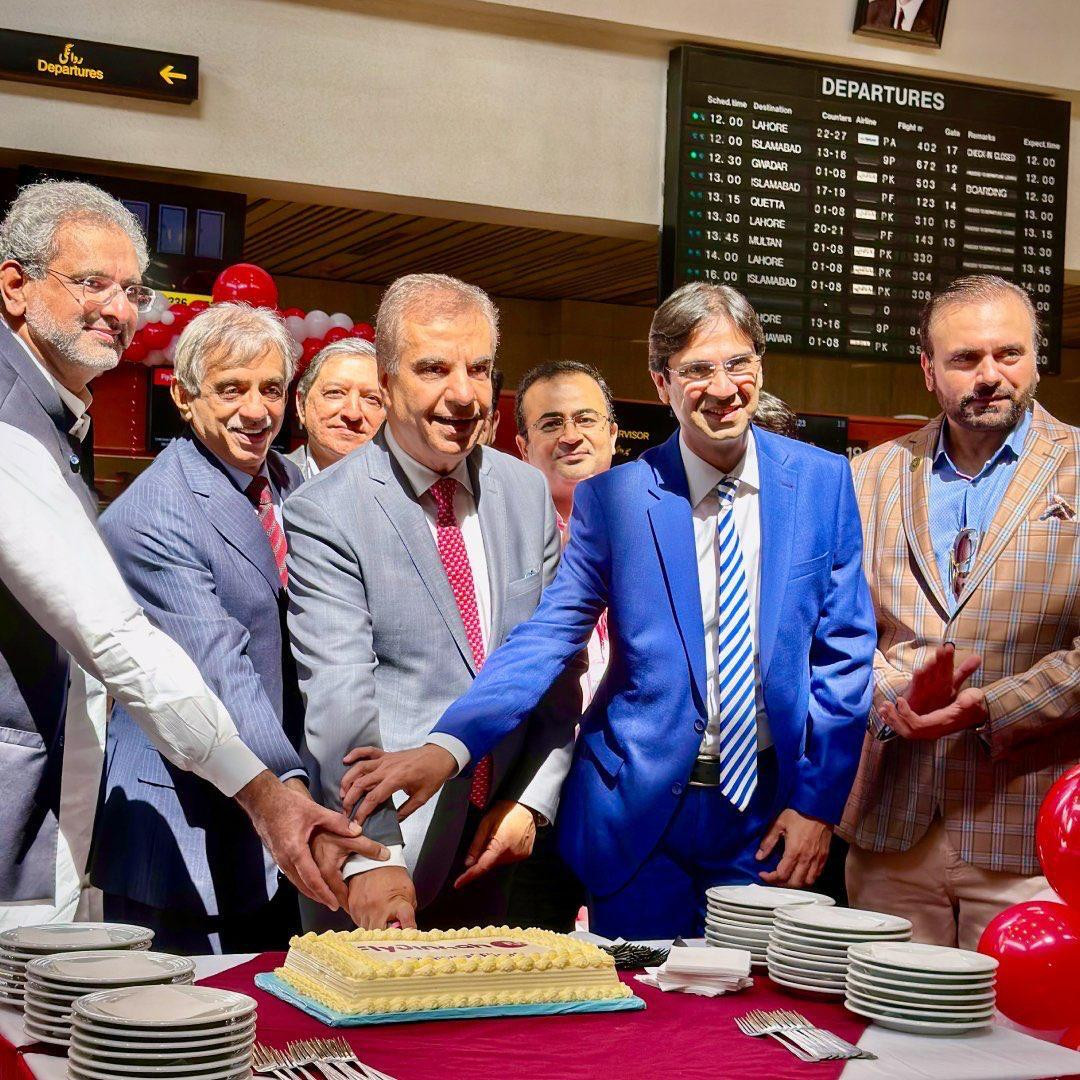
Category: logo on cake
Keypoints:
(441, 947)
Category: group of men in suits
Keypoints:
(675, 669)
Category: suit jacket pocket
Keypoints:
(599, 744)
(808, 567)
(531, 582)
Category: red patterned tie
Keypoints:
(258, 491)
(455, 560)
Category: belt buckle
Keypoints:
(706, 772)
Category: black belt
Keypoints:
(706, 772)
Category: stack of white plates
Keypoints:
(741, 916)
(923, 989)
(167, 1032)
(26, 943)
(808, 949)
(54, 982)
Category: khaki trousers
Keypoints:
(948, 901)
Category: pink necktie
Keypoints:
(258, 491)
(455, 560)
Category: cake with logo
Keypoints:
(360, 972)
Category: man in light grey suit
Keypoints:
(410, 561)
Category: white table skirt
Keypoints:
(998, 1053)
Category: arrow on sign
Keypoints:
(169, 75)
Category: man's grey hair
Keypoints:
(426, 296)
(28, 231)
(344, 347)
(239, 333)
(973, 289)
(688, 309)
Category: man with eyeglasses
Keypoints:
(973, 557)
(728, 725)
(71, 262)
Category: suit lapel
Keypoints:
(777, 515)
(915, 508)
(671, 519)
(491, 509)
(228, 509)
(394, 495)
(1039, 461)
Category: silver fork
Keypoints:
(271, 1062)
(800, 1022)
(308, 1052)
(752, 1025)
(339, 1050)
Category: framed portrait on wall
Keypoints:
(916, 22)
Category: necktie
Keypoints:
(455, 560)
(258, 491)
(735, 666)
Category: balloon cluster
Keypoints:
(1037, 944)
(154, 343)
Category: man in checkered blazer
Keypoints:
(972, 550)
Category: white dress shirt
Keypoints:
(906, 13)
(702, 479)
(56, 565)
(420, 479)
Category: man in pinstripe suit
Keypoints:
(198, 539)
(973, 555)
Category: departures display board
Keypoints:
(838, 198)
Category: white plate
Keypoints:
(238, 1060)
(758, 936)
(82, 1072)
(882, 978)
(110, 967)
(170, 1036)
(922, 1011)
(47, 1011)
(161, 1055)
(49, 1037)
(154, 1042)
(742, 942)
(826, 978)
(918, 1027)
(805, 987)
(764, 897)
(68, 937)
(727, 911)
(819, 950)
(912, 956)
(842, 920)
(868, 989)
(165, 1006)
(813, 964)
(840, 937)
(922, 978)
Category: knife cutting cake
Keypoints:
(396, 971)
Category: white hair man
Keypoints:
(71, 265)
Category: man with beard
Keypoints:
(723, 742)
(973, 557)
(71, 264)
(410, 562)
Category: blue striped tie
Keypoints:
(735, 659)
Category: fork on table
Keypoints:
(798, 1035)
(332, 1058)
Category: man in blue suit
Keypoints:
(742, 639)
(199, 541)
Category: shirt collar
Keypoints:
(1010, 449)
(242, 479)
(420, 477)
(75, 404)
(702, 478)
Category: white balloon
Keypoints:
(339, 318)
(296, 349)
(159, 305)
(170, 350)
(296, 326)
(167, 318)
(316, 323)
(144, 318)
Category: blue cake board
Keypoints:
(269, 982)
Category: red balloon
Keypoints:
(1057, 836)
(1037, 946)
(335, 333)
(156, 335)
(299, 313)
(1071, 1038)
(199, 305)
(363, 330)
(182, 315)
(311, 346)
(136, 351)
(247, 284)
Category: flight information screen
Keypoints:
(838, 198)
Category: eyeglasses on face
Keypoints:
(699, 372)
(585, 420)
(97, 291)
(962, 558)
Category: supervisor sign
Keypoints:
(79, 64)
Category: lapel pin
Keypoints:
(915, 463)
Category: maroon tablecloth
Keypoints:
(676, 1036)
